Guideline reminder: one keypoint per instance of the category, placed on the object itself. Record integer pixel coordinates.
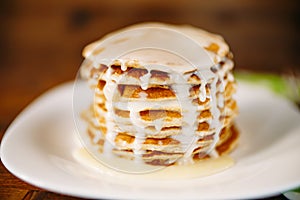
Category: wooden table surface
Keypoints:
(41, 44)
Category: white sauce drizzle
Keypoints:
(123, 65)
(98, 136)
(221, 100)
(230, 77)
(136, 121)
(145, 80)
(187, 137)
(190, 112)
(158, 124)
(109, 91)
(202, 92)
(216, 114)
(217, 102)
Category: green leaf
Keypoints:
(276, 83)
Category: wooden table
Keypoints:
(41, 43)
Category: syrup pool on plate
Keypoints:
(198, 169)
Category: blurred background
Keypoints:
(41, 41)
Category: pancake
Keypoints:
(161, 115)
(164, 150)
(155, 77)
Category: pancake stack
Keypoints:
(155, 107)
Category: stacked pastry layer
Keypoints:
(151, 106)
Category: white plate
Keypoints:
(40, 148)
